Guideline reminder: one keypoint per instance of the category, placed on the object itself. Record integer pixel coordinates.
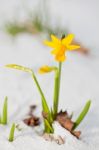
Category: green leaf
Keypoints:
(44, 102)
(5, 113)
(82, 115)
(18, 67)
(11, 135)
(52, 114)
(48, 128)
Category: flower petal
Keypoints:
(46, 69)
(55, 39)
(60, 58)
(50, 44)
(73, 47)
(68, 39)
(55, 51)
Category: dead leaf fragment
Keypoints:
(45, 115)
(65, 121)
(32, 121)
(76, 133)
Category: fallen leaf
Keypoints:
(32, 121)
(65, 121)
(45, 115)
(76, 133)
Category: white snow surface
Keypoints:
(80, 76)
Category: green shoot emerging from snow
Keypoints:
(4, 117)
(11, 135)
(82, 115)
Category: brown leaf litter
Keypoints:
(45, 115)
(65, 121)
(32, 120)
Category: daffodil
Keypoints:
(47, 69)
(61, 46)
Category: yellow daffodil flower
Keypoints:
(60, 46)
(46, 69)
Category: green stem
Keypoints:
(55, 94)
(60, 68)
(57, 90)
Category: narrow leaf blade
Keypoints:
(82, 115)
(50, 129)
(11, 135)
(5, 111)
(19, 67)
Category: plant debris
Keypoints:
(76, 133)
(65, 121)
(45, 115)
(32, 109)
(82, 48)
(18, 127)
(51, 137)
(32, 120)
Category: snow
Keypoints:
(80, 77)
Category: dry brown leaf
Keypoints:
(65, 121)
(76, 133)
(32, 121)
(45, 115)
